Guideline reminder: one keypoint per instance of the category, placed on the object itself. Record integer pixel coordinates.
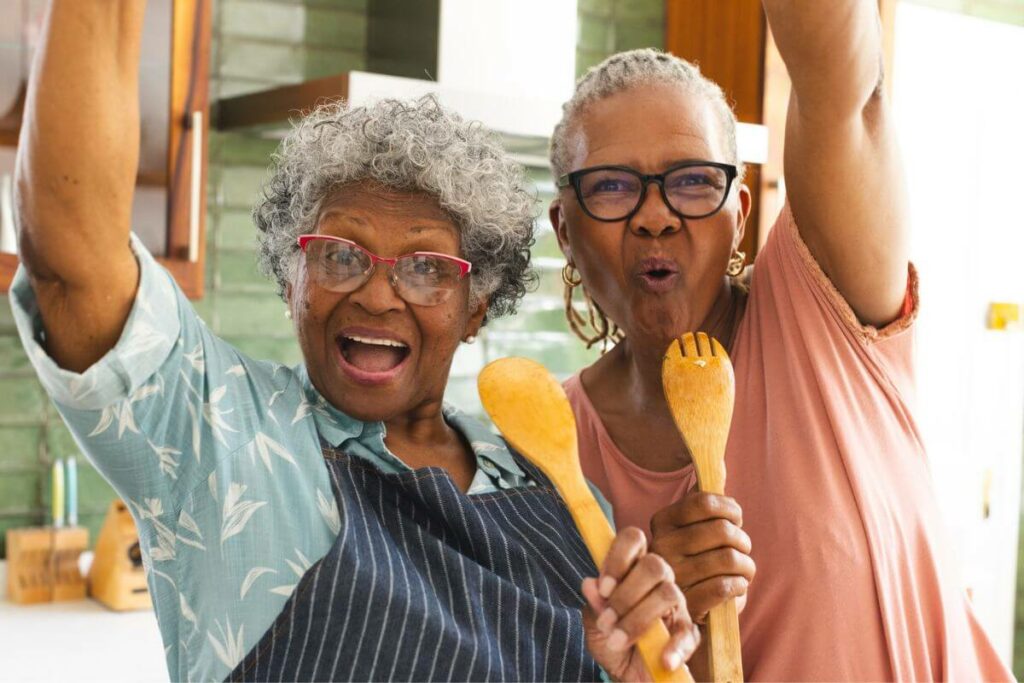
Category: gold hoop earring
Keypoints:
(604, 331)
(570, 276)
(737, 262)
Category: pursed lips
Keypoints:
(657, 275)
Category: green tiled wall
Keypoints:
(609, 26)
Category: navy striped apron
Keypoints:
(425, 583)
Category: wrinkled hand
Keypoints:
(635, 588)
(701, 539)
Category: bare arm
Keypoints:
(75, 175)
(842, 168)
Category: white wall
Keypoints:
(959, 101)
(509, 46)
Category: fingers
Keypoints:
(696, 507)
(722, 562)
(592, 596)
(629, 545)
(701, 537)
(682, 643)
(651, 573)
(701, 597)
(684, 637)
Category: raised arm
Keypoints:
(75, 176)
(843, 175)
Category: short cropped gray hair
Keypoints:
(627, 70)
(412, 146)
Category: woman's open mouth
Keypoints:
(657, 275)
(371, 357)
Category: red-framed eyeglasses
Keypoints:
(423, 278)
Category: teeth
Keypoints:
(377, 341)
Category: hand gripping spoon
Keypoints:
(699, 385)
(530, 408)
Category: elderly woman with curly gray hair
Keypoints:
(335, 520)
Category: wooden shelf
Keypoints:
(277, 105)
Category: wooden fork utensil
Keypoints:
(698, 380)
(533, 413)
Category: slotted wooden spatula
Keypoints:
(699, 385)
(533, 413)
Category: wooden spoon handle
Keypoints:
(598, 536)
(652, 645)
(725, 659)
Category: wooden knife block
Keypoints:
(117, 578)
(42, 564)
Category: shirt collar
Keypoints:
(336, 427)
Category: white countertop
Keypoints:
(77, 641)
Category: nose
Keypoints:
(377, 295)
(654, 217)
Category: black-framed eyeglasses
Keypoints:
(692, 189)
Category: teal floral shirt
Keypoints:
(218, 457)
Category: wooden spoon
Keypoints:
(699, 385)
(533, 413)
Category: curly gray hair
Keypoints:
(414, 146)
(627, 70)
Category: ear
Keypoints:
(476, 320)
(289, 312)
(558, 223)
(742, 214)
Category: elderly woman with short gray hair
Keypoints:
(335, 520)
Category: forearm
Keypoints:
(78, 152)
(832, 50)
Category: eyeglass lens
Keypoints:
(693, 191)
(420, 279)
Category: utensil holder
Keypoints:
(42, 564)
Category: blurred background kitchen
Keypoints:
(220, 78)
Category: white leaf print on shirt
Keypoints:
(187, 612)
(154, 509)
(212, 482)
(329, 511)
(237, 511)
(263, 446)
(214, 415)
(120, 411)
(197, 439)
(250, 578)
(146, 390)
(196, 358)
(236, 370)
(300, 570)
(186, 522)
(307, 407)
(230, 648)
(165, 454)
(144, 338)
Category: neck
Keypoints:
(422, 427)
(639, 364)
